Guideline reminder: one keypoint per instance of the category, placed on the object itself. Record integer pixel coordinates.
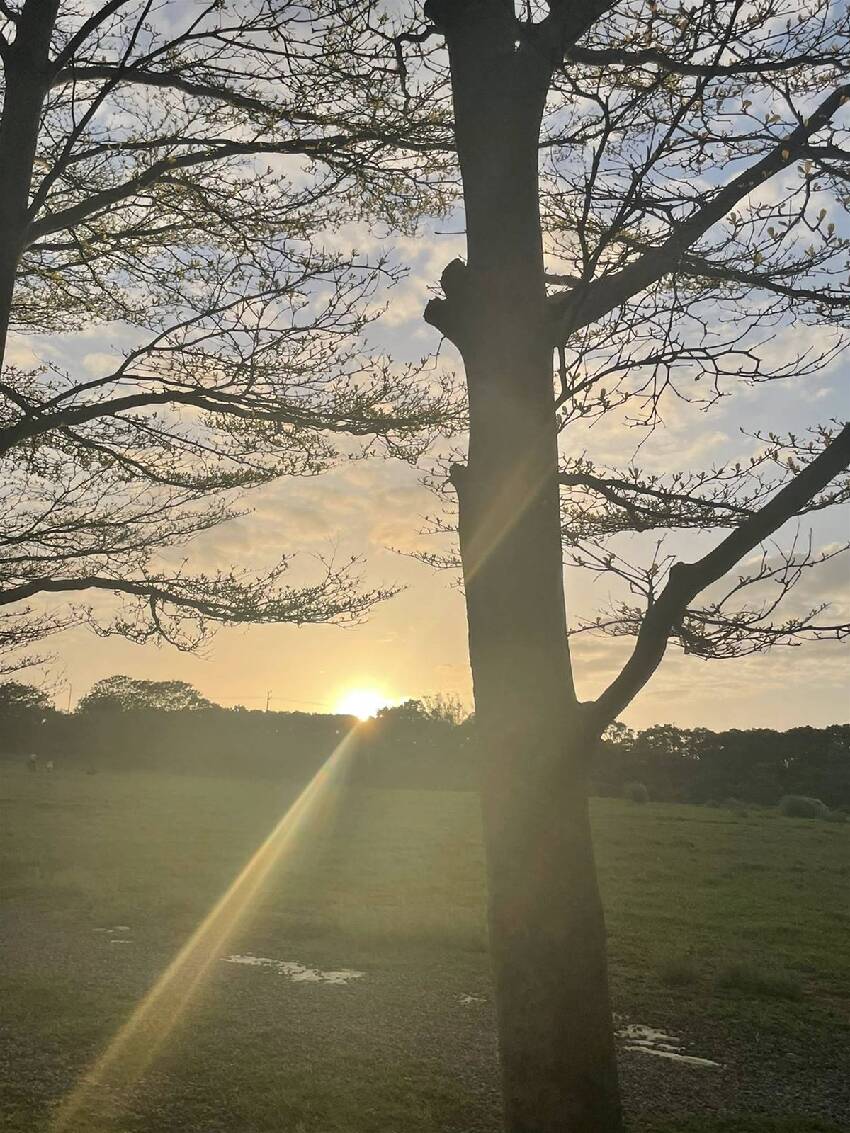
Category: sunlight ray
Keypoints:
(518, 492)
(137, 1043)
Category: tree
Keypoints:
(650, 190)
(126, 694)
(168, 179)
(24, 709)
(21, 699)
(613, 159)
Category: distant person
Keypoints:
(32, 761)
(49, 765)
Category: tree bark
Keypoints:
(546, 925)
(27, 77)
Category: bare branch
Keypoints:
(617, 57)
(68, 218)
(225, 600)
(686, 580)
(96, 20)
(134, 76)
(593, 300)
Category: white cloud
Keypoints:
(100, 363)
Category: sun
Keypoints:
(362, 703)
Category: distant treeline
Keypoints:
(127, 724)
(123, 724)
(755, 765)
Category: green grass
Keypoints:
(679, 971)
(760, 982)
(391, 883)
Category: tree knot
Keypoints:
(457, 474)
(435, 12)
(449, 315)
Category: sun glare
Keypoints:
(136, 1045)
(362, 703)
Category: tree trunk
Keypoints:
(27, 79)
(546, 925)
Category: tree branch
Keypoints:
(149, 590)
(621, 493)
(686, 580)
(212, 401)
(91, 25)
(617, 57)
(698, 267)
(568, 20)
(597, 298)
(224, 599)
(67, 218)
(162, 79)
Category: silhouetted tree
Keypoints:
(620, 251)
(19, 698)
(24, 710)
(126, 694)
(167, 175)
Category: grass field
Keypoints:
(729, 932)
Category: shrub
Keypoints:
(801, 806)
(637, 792)
(750, 980)
(835, 816)
(679, 971)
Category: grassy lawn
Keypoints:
(729, 932)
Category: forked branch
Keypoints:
(686, 580)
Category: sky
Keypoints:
(414, 644)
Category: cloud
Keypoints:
(364, 508)
(100, 362)
(19, 352)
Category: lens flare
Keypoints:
(362, 703)
(137, 1044)
(520, 490)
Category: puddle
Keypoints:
(115, 928)
(661, 1044)
(298, 973)
(467, 999)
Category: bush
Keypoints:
(750, 980)
(801, 806)
(637, 792)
